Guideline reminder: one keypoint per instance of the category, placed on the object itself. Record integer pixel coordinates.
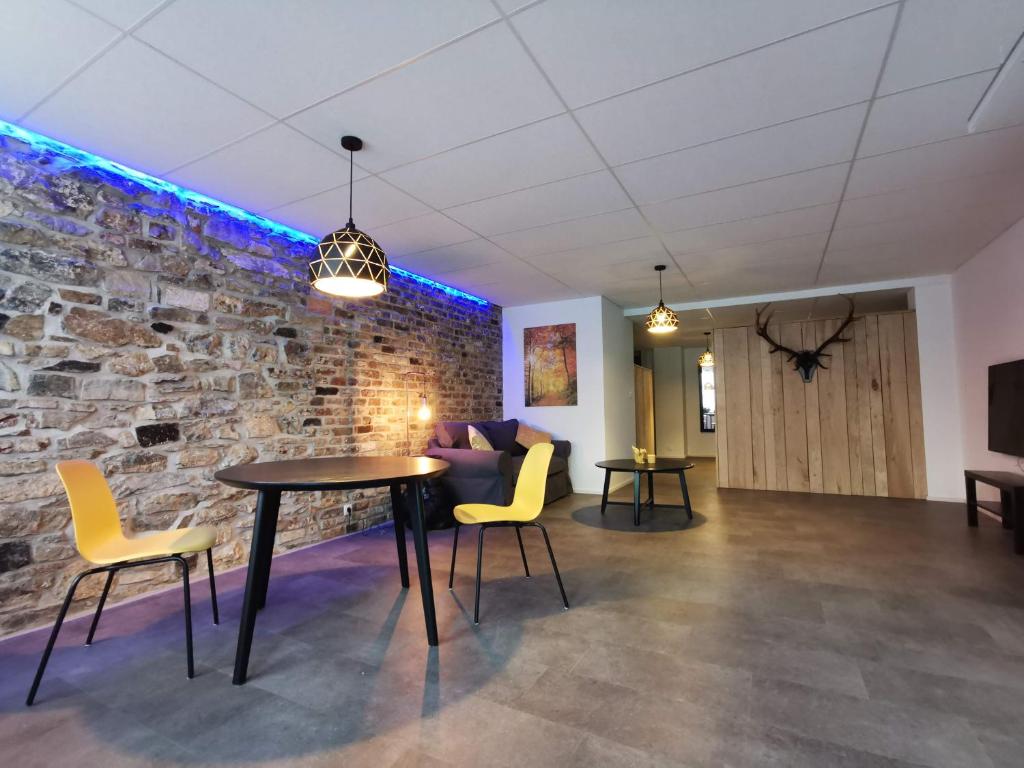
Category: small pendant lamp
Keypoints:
(661, 319)
(349, 262)
(707, 358)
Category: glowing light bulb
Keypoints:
(423, 414)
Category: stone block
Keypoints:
(133, 462)
(113, 389)
(14, 555)
(180, 296)
(52, 385)
(131, 364)
(25, 327)
(102, 328)
(155, 434)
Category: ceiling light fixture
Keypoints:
(662, 319)
(349, 262)
(707, 357)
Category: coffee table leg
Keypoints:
(636, 498)
(1018, 521)
(604, 494)
(972, 502)
(650, 489)
(397, 507)
(686, 494)
(419, 535)
(267, 504)
(267, 551)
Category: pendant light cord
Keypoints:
(351, 162)
(661, 294)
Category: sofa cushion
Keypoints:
(444, 439)
(501, 434)
(528, 437)
(478, 440)
(558, 464)
(457, 433)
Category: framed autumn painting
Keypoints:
(549, 365)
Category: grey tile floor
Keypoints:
(774, 630)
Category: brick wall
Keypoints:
(165, 341)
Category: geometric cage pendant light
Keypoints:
(707, 357)
(661, 319)
(349, 262)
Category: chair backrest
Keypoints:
(93, 509)
(533, 477)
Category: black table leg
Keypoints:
(604, 494)
(267, 551)
(972, 502)
(650, 489)
(397, 508)
(1006, 505)
(686, 494)
(419, 534)
(267, 504)
(1018, 521)
(636, 498)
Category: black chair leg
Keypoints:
(455, 548)
(213, 586)
(522, 551)
(53, 635)
(554, 565)
(188, 615)
(479, 570)
(99, 608)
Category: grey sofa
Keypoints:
(489, 477)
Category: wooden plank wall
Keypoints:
(855, 429)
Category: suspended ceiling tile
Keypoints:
(593, 50)
(923, 115)
(376, 204)
(148, 127)
(433, 230)
(803, 221)
(45, 42)
(122, 13)
(800, 145)
(760, 198)
(576, 233)
(980, 153)
(822, 70)
(547, 151)
(449, 258)
(939, 39)
(474, 88)
(266, 170)
(547, 204)
(284, 57)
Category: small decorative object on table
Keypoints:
(650, 458)
(639, 455)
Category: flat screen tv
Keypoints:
(1006, 408)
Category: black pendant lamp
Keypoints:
(349, 262)
(661, 319)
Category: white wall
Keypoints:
(697, 443)
(595, 420)
(940, 395)
(619, 406)
(669, 403)
(989, 327)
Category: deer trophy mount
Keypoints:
(805, 361)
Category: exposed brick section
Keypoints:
(164, 343)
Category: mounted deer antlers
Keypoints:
(805, 361)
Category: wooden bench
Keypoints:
(1010, 507)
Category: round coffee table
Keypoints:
(676, 466)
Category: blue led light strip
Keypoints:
(46, 144)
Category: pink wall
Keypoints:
(988, 305)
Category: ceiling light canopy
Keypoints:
(661, 319)
(349, 262)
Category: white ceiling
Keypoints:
(537, 151)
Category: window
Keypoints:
(706, 395)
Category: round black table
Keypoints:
(675, 466)
(272, 478)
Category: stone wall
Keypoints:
(164, 340)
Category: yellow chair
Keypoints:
(100, 540)
(526, 505)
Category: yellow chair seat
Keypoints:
(155, 544)
(471, 514)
